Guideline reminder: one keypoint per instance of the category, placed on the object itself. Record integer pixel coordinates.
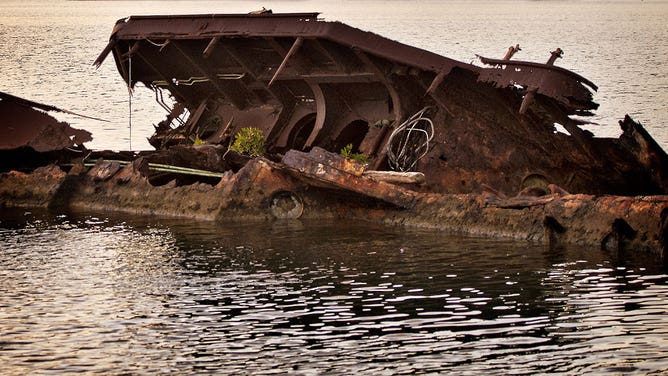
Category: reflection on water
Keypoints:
(92, 293)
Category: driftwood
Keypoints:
(321, 168)
(395, 177)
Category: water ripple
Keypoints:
(100, 294)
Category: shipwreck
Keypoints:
(495, 149)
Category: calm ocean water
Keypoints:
(47, 49)
(115, 294)
(92, 293)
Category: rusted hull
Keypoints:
(482, 140)
(613, 223)
(306, 82)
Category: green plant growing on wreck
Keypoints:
(198, 141)
(347, 152)
(249, 141)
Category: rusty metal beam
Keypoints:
(133, 48)
(321, 112)
(437, 81)
(287, 102)
(209, 47)
(280, 50)
(288, 106)
(110, 46)
(293, 50)
(431, 91)
(246, 68)
(192, 121)
(128, 57)
(331, 170)
(511, 51)
(215, 42)
(539, 68)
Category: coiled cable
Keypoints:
(409, 142)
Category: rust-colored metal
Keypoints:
(305, 83)
(25, 123)
(322, 187)
(485, 164)
(531, 91)
(512, 50)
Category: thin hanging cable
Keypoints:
(130, 94)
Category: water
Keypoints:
(131, 295)
(47, 49)
(110, 294)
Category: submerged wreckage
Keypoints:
(448, 145)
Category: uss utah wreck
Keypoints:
(466, 148)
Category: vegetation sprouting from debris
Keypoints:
(347, 152)
(249, 141)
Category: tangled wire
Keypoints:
(409, 142)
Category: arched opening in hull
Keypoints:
(353, 133)
(301, 131)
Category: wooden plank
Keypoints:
(396, 177)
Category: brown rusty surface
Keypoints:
(637, 224)
(569, 88)
(319, 86)
(328, 172)
(23, 124)
(306, 83)
(37, 189)
(638, 142)
(336, 161)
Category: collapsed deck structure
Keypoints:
(484, 140)
(306, 82)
